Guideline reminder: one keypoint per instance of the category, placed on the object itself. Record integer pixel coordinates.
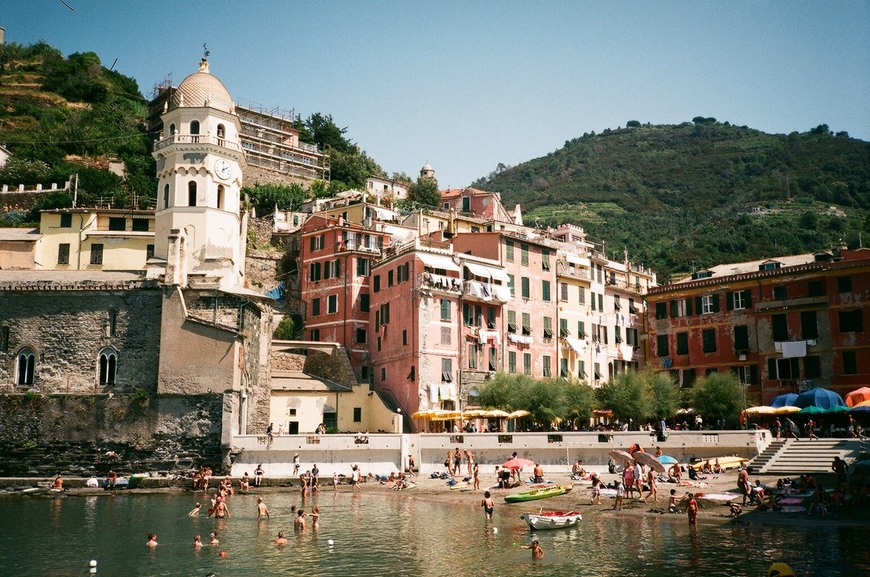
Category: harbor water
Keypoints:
(393, 534)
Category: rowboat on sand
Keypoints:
(551, 519)
(538, 493)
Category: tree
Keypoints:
(665, 394)
(286, 330)
(265, 197)
(717, 396)
(632, 124)
(424, 192)
(628, 396)
(22, 171)
(505, 391)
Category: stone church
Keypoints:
(156, 368)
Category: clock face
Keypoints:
(223, 169)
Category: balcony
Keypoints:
(441, 283)
(197, 139)
(486, 292)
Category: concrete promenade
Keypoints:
(555, 450)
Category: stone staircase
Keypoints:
(796, 456)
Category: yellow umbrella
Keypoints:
(497, 414)
(787, 410)
(422, 415)
(473, 413)
(762, 410)
(519, 414)
(443, 415)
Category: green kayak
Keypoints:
(538, 493)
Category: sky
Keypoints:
(466, 85)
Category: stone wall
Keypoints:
(67, 330)
(83, 435)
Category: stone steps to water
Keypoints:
(796, 456)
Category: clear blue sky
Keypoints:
(468, 84)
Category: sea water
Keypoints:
(392, 534)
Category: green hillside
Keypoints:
(697, 194)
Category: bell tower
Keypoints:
(200, 229)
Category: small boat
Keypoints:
(538, 493)
(727, 462)
(551, 519)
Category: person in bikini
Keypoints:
(488, 505)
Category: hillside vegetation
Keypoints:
(682, 197)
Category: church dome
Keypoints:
(203, 89)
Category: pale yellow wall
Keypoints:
(125, 250)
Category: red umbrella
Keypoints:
(517, 463)
(858, 396)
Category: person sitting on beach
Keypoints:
(538, 474)
(245, 483)
(736, 509)
(577, 470)
(673, 502)
(675, 473)
(818, 502)
(707, 469)
(717, 468)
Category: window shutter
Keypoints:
(661, 310)
(675, 312)
(795, 367)
(729, 301)
(689, 306)
(716, 303)
(753, 373)
(771, 369)
(747, 299)
(698, 305)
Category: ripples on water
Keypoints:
(393, 535)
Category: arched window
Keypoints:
(220, 198)
(25, 367)
(108, 367)
(191, 193)
(194, 126)
(165, 196)
(221, 131)
(172, 129)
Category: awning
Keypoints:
(486, 272)
(577, 345)
(440, 261)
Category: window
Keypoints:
(631, 307)
(390, 278)
(546, 360)
(816, 288)
(315, 335)
(472, 356)
(564, 371)
(96, 254)
(662, 345)
(172, 129)
(545, 291)
(708, 337)
(563, 328)
(364, 302)
(490, 317)
(844, 284)
(315, 307)
(493, 358)
(191, 193)
(527, 363)
(581, 369)
(466, 204)
(66, 220)
(812, 367)
(780, 327)
(683, 343)
(780, 293)
(596, 371)
(582, 300)
(783, 369)
(851, 321)
(524, 254)
(149, 252)
(383, 371)
(363, 266)
(4, 339)
(563, 291)
(361, 336)
(739, 300)
(809, 325)
(741, 338)
(331, 304)
(512, 361)
(509, 250)
(445, 310)
(331, 269)
(140, 225)
(447, 370)
(446, 335)
(112, 323)
(117, 223)
(314, 272)
(315, 243)
(548, 327)
(357, 414)
(850, 362)
(525, 287)
(377, 283)
(709, 304)
(512, 321)
(26, 363)
(581, 330)
(63, 253)
(661, 310)
(617, 334)
(616, 304)
(527, 324)
(194, 126)
(545, 259)
(601, 302)
(108, 367)
(594, 302)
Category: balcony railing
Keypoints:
(197, 139)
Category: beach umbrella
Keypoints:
(423, 415)
(863, 407)
(649, 461)
(812, 410)
(818, 397)
(621, 457)
(496, 414)
(519, 414)
(858, 396)
(761, 410)
(667, 460)
(517, 463)
(838, 409)
(787, 410)
(786, 400)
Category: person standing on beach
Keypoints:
(314, 478)
(262, 510)
(457, 462)
(596, 489)
(258, 475)
(469, 459)
(620, 493)
(653, 489)
(488, 505)
(476, 478)
(295, 464)
(692, 510)
(743, 484)
(355, 478)
(411, 466)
